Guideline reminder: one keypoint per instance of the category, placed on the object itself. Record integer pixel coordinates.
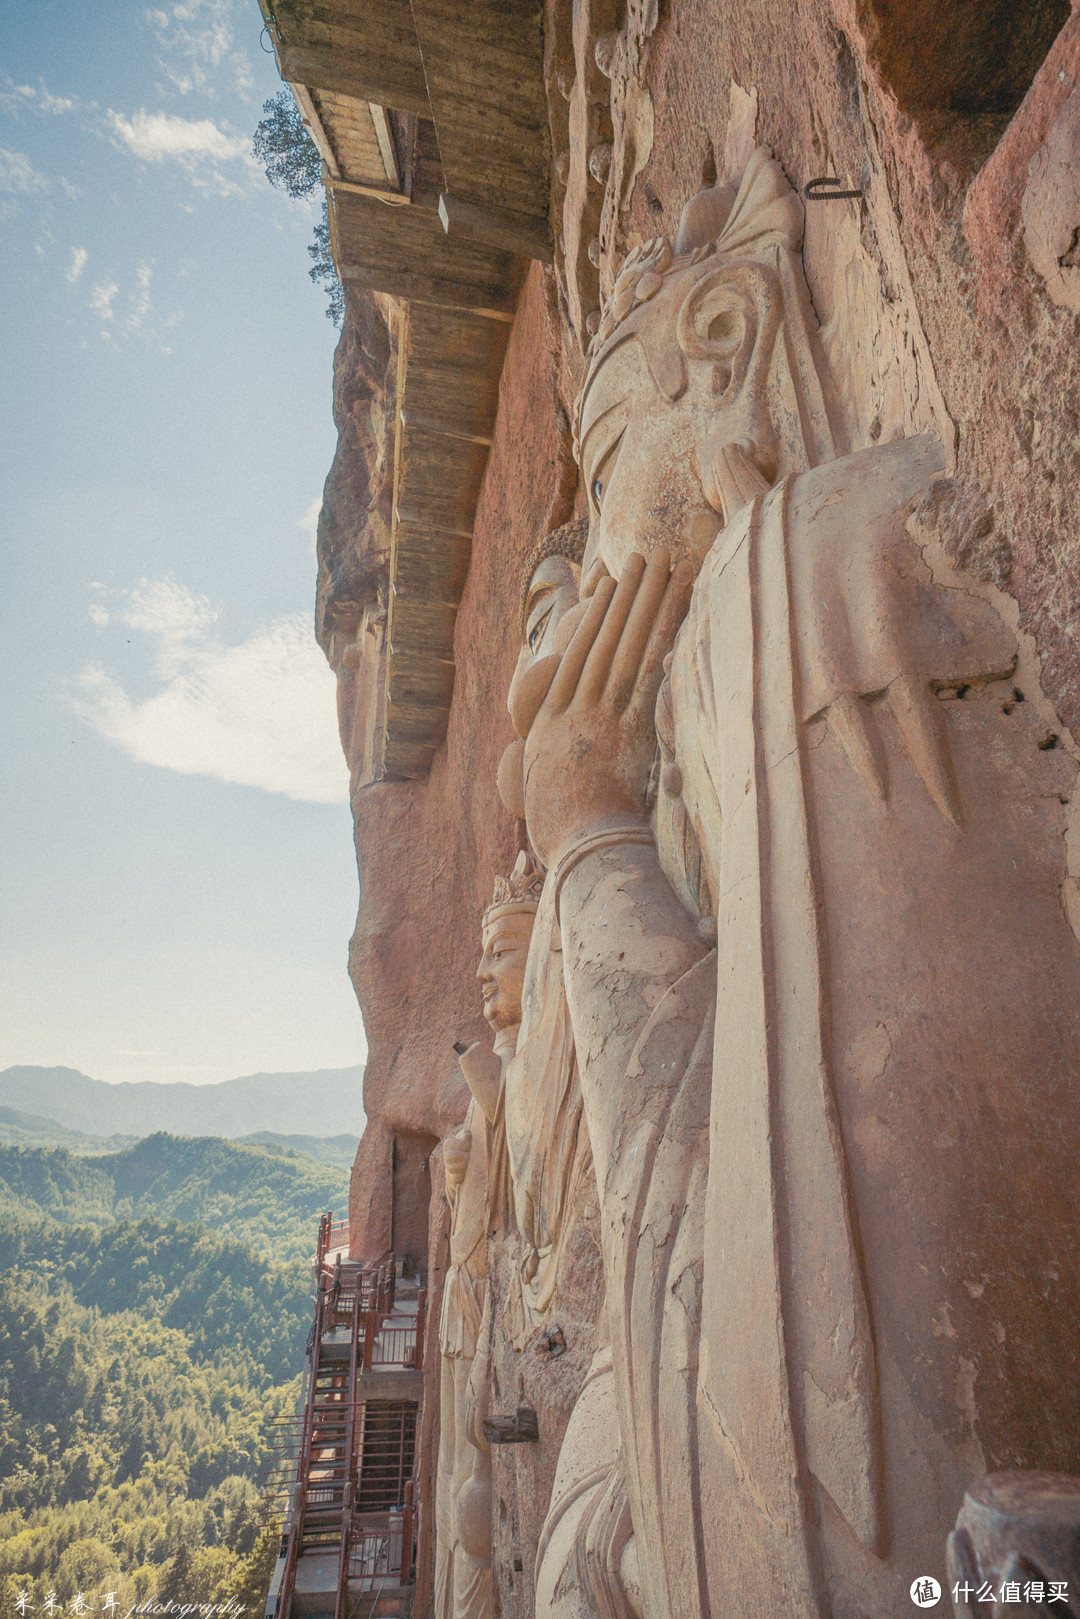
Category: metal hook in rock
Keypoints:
(814, 190)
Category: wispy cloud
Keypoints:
(140, 302)
(18, 98)
(124, 307)
(260, 713)
(101, 299)
(198, 145)
(18, 176)
(198, 44)
(19, 180)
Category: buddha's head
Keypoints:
(704, 383)
(507, 930)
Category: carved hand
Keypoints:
(456, 1159)
(590, 748)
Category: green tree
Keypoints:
(288, 154)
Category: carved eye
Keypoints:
(598, 491)
(536, 634)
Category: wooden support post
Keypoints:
(421, 1320)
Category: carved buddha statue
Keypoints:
(820, 977)
(463, 1486)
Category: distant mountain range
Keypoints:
(262, 1196)
(276, 1108)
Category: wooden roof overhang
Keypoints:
(431, 121)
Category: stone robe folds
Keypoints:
(463, 1583)
(840, 1224)
(548, 1154)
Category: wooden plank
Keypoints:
(414, 677)
(350, 73)
(449, 427)
(440, 479)
(484, 67)
(405, 252)
(386, 144)
(404, 761)
(498, 227)
(350, 127)
(425, 624)
(428, 565)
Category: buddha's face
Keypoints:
(502, 966)
(657, 464)
(552, 594)
(640, 466)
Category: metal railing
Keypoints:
(381, 1551)
(332, 1235)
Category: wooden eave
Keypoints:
(448, 231)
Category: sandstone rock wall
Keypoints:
(428, 851)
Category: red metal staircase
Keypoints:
(349, 1451)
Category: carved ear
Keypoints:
(511, 779)
(727, 317)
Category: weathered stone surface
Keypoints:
(428, 850)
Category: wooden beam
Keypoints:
(406, 252)
(392, 199)
(484, 65)
(386, 144)
(392, 83)
(525, 234)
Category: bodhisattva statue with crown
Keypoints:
(808, 889)
(463, 1584)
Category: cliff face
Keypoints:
(428, 851)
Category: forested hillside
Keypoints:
(142, 1371)
(265, 1196)
(154, 1306)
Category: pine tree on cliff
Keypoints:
(282, 144)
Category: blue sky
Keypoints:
(178, 885)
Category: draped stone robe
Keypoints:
(463, 1582)
(837, 1154)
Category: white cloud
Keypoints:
(260, 713)
(140, 304)
(77, 265)
(55, 104)
(197, 38)
(21, 97)
(155, 136)
(170, 612)
(18, 175)
(98, 615)
(197, 144)
(101, 299)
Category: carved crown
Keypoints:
(764, 215)
(518, 892)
